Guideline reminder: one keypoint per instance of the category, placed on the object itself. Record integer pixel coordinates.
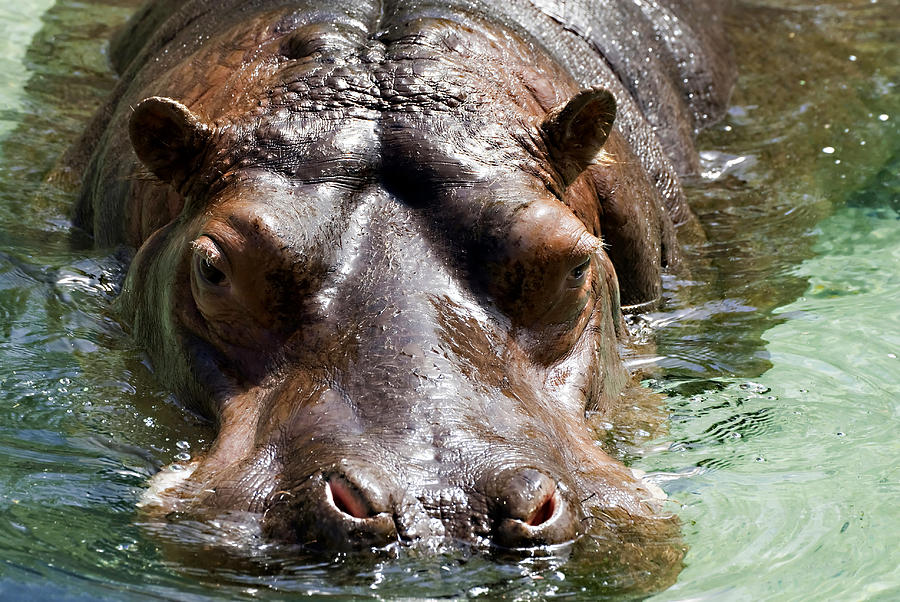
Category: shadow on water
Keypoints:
(83, 421)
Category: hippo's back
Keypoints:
(669, 57)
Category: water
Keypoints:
(794, 476)
(777, 359)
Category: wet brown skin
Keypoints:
(385, 248)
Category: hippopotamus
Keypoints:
(386, 247)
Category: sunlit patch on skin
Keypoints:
(351, 245)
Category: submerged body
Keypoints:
(385, 246)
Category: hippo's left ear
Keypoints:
(576, 130)
(167, 137)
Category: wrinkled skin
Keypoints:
(385, 247)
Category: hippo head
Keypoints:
(388, 289)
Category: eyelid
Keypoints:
(586, 245)
(198, 247)
(584, 265)
(196, 242)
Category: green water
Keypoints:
(793, 477)
(778, 357)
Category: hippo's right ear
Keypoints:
(576, 130)
(167, 138)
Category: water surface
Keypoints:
(777, 358)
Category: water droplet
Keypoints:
(754, 387)
(852, 57)
(839, 433)
(183, 457)
(184, 445)
(828, 150)
(883, 117)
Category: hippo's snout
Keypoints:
(518, 508)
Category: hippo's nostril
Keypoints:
(531, 510)
(527, 495)
(340, 510)
(347, 499)
(544, 512)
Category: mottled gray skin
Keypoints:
(379, 243)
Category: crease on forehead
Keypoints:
(431, 152)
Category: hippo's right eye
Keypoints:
(209, 262)
(577, 275)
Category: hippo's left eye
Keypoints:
(211, 273)
(578, 274)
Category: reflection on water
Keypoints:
(777, 357)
